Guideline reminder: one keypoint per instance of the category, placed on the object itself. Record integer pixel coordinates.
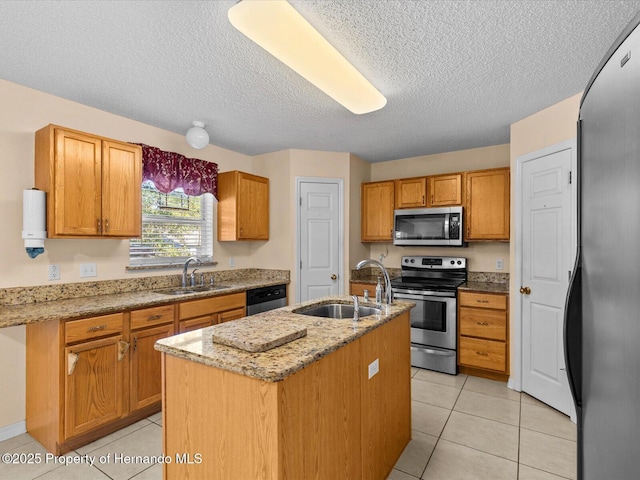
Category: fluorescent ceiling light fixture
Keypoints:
(278, 28)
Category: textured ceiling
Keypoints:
(456, 73)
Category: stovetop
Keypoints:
(432, 273)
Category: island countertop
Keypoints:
(324, 335)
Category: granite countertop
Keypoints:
(72, 308)
(324, 335)
(485, 287)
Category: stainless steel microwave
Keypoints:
(428, 227)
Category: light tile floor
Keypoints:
(464, 428)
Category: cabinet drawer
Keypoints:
(198, 308)
(95, 327)
(485, 323)
(151, 316)
(487, 354)
(483, 300)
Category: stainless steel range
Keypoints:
(432, 283)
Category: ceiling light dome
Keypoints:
(197, 136)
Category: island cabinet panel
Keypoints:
(386, 403)
(326, 421)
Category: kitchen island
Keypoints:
(335, 403)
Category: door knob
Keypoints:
(334, 277)
(525, 290)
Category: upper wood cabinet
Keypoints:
(93, 184)
(411, 192)
(487, 206)
(377, 200)
(445, 190)
(243, 206)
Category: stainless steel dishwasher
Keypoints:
(266, 298)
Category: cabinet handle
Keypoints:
(72, 359)
(97, 328)
(106, 225)
(482, 354)
(432, 198)
(154, 317)
(135, 343)
(423, 199)
(99, 223)
(122, 349)
(482, 301)
(482, 323)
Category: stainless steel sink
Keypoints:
(185, 291)
(336, 310)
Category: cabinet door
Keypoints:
(445, 190)
(77, 187)
(487, 208)
(145, 372)
(196, 323)
(232, 315)
(253, 207)
(121, 190)
(411, 192)
(377, 211)
(93, 385)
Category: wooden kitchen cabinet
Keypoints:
(445, 190)
(487, 206)
(332, 419)
(243, 206)
(202, 313)
(411, 192)
(377, 205)
(483, 334)
(93, 184)
(147, 326)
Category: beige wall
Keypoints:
(360, 172)
(481, 256)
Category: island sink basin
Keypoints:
(184, 291)
(337, 310)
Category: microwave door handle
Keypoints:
(446, 226)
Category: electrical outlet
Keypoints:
(499, 264)
(232, 262)
(88, 270)
(374, 367)
(54, 272)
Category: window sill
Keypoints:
(164, 266)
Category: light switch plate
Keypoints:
(374, 368)
(499, 264)
(88, 270)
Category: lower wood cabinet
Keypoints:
(483, 334)
(330, 420)
(89, 377)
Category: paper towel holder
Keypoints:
(34, 221)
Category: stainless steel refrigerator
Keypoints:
(602, 323)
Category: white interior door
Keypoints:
(320, 238)
(547, 215)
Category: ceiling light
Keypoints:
(278, 28)
(197, 136)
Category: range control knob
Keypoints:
(459, 262)
(413, 260)
(453, 262)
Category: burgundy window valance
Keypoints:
(170, 170)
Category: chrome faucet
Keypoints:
(186, 267)
(356, 308)
(387, 282)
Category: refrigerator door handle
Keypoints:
(573, 334)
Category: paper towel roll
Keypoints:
(34, 219)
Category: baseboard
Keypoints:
(13, 430)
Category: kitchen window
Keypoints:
(175, 226)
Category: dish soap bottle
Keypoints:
(379, 291)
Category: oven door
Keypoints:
(433, 319)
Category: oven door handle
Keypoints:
(418, 295)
